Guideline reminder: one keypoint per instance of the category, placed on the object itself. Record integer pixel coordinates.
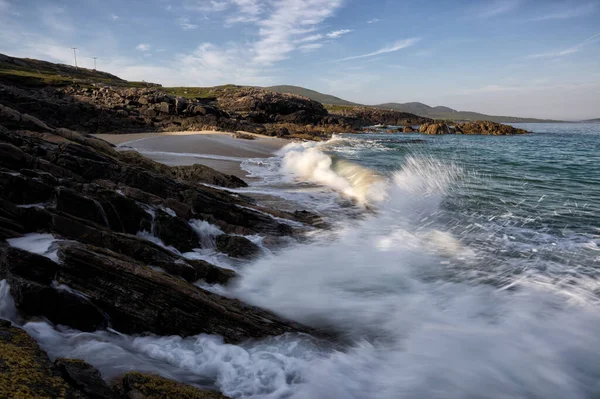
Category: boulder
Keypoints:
(408, 129)
(436, 128)
(489, 128)
(237, 246)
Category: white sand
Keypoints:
(219, 150)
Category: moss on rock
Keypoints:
(25, 370)
(142, 386)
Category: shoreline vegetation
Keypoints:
(95, 237)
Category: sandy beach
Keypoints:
(219, 150)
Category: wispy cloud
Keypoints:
(289, 21)
(206, 6)
(374, 20)
(399, 45)
(571, 50)
(114, 17)
(337, 33)
(568, 13)
(143, 47)
(497, 7)
(310, 47)
(247, 11)
(185, 24)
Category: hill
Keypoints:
(447, 113)
(313, 95)
(416, 108)
(35, 73)
(597, 120)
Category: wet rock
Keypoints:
(36, 291)
(408, 129)
(68, 201)
(85, 378)
(175, 232)
(237, 246)
(140, 386)
(211, 273)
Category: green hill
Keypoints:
(416, 108)
(313, 95)
(30, 72)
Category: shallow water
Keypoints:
(472, 272)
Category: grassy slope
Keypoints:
(313, 95)
(199, 92)
(31, 72)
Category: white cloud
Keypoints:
(374, 20)
(571, 50)
(337, 33)
(185, 24)
(143, 47)
(310, 47)
(399, 45)
(114, 17)
(311, 38)
(206, 5)
(289, 21)
(567, 13)
(497, 7)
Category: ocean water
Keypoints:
(458, 267)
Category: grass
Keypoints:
(199, 92)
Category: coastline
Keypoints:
(219, 150)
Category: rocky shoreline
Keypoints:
(95, 238)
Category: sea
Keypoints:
(453, 267)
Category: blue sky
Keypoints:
(509, 57)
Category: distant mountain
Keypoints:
(416, 108)
(313, 95)
(597, 120)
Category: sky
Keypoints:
(530, 58)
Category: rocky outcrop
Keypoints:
(478, 127)
(368, 116)
(408, 129)
(436, 128)
(140, 386)
(102, 206)
(490, 128)
(190, 173)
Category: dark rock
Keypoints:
(211, 273)
(70, 202)
(36, 291)
(175, 232)
(237, 246)
(85, 378)
(139, 386)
